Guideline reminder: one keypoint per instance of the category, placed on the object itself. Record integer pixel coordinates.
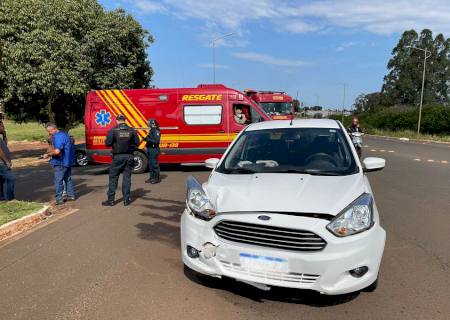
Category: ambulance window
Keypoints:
(203, 115)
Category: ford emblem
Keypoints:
(264, 218)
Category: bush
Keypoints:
(435, 119)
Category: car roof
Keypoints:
(298, 123)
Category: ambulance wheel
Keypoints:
(81, 159)
(140, 162)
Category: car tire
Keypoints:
(140, 162)
(81, 159)
(372, 287)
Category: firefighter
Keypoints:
(153, 138)
(123, 141)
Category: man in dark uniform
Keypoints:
(123, 141)
(153, 138)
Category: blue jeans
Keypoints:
(7, 176)
(63, 175)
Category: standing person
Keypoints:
(5, 140)
(153, 139)
(123, 141)
(3, 129)
(62, 160)
(5, 173)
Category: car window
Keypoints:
(303, 150)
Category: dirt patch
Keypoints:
(23, 149)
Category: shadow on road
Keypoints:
(160, 232)
(167, 230)
(306, 297)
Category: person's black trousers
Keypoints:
(121, 163)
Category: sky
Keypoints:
(310, 49)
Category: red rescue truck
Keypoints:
(196, 123)
(278, 105)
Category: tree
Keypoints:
(402, 85)
(54, 51)
(370, 102)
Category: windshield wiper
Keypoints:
(309, 171)
(239, 170)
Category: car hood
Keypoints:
(283, 192)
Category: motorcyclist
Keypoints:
(357, 141)
(355, 127)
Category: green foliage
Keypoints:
(13, 210)
(33, 131)
(435, 119)
(402, 85)
(54, 51)
(371, 102)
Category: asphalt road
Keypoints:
(102, 263)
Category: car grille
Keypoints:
(293, 277)
(269, 236)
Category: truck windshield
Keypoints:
(315, 151)
(277, 108)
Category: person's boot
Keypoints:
(126, 202)
(156, 179)
(150, 179)
(108, 203)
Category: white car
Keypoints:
(288, 205)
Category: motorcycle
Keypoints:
(357, 142)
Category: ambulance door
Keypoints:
(99, 119)
(203, 129)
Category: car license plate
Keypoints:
(254, 262)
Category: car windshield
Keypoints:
(277, 108)
(315, 151)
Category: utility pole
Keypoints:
(213, 46)
(426, 55)
(343, 104)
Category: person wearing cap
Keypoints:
(153, 139)
(123, 141)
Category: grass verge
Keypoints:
(33, 131)
(14, 210)
(408, 134)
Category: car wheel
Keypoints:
(372, 287)
(140, 162)
(81, 159)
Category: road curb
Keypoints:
(409, 139)
(25, 223)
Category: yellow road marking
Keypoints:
(430, 160)
(391, 151)
(417, 159)
(373, 150)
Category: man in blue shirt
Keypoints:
(62, 161)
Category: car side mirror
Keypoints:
(373, 164)
(211, 163)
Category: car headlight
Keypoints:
(355, 218)
(197, 201)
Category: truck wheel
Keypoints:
(140, 162)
